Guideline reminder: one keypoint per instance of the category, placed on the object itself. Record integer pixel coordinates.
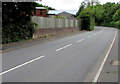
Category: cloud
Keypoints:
(68, 4)
(62, 4)
(68, 1)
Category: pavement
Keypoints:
(71, 58)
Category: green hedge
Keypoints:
(87, 23)
(112, 24)
(92, 23)
(16, 21)
(17, 32)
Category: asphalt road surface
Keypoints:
(69, 59)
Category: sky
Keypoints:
(68, 4)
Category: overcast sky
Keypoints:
(68, 4)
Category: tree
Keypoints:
(87, 12)
(99, 14)
(87, 15)
(47, 7)
(91, 2)
(116, 16)
(105, 15)
(110, 10)
(80, 9)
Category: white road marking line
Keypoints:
(102, 65)
(95, 34)
(89, 32)
(101, 31)
(80, 40)
(89, 36)
(63, 47)
(21, 65)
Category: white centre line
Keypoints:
(63, 47)
(104, 60)
(21, 65)
(80, 40)
(89, 36)
(100, 32)
(95, 34)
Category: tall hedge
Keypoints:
(88, 17)
(16, 21)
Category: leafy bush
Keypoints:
(92, 23)
(17, 32)
(112, 24)
(117, 24)
(16, 21)
(85, 23)
(87, 16)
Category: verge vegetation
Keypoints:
(16, 21)
(104, 15)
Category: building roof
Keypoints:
(60, 11)
(64, 13)
(40, 8)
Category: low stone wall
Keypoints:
(53, 31)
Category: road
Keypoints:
(69, 59)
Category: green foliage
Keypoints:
(16, 21)
(110, 10)
(110, 16)
(105, 15)
(88, 14)
(80, 9)
(17, 32)
(117, 24)
(85, 23)
(92, 23)
(99, 14)
(47, 7)
(116, 16)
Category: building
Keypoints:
(66, 15)
(70, 14)
(40, 11)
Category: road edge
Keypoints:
(104, 60)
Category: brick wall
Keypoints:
(41, 12)
(53, 31)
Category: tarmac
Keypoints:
(110, 72)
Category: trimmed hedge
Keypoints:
(17, 32)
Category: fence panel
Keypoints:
(44, 22)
